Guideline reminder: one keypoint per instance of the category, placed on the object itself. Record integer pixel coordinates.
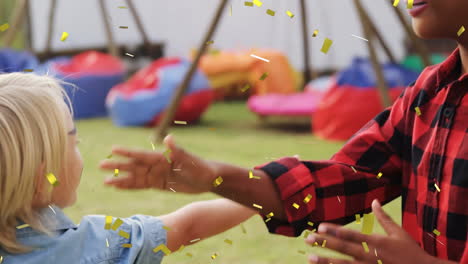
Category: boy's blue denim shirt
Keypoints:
(89, 242)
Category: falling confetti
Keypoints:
(355, 171)
(51, 208)
(28, 70)
(152, 146)
(122, 7)
(108, 224)
(310, 223)
(109, 156)
(251, 176)
(167, 154)
(307, 199)
(64, 36)
(181, 248)
(227, 241)
(326, 45)
(1, 259)
(218, 181)
(410, 4)
(189, 254)
(306, 233)
(172, 189)
(461, 30)
(243, 229)
(264, 76)
(117, 224)
(4, 27)
(324, 243)
(365, 246)
(436, 232)
(396, 2)
(130, 55)
(379, 261)
(195, 240)
(337, 197)
(52, 179)
(437, 187)
(258, 206)
(127, 245)
(177, 122)
(248, 4)
(258, 3)
(267, 220)
(260, 58)
(270, 12)
(209, 42)
(245, 88)
(107, 242)
(358, 218)
(22, 226)
(359, 37)
(270, 215)
(367, 224)
(124, 234)
(315, 33)
(230, 11)
(166, 228)
(214, 256)
(164, 249)
(418, 110)
(295, 205)
(301, 252)
(116, 172)
(123, 27)
(290, 14)
(379, 175)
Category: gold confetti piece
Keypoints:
(122, 7)
(230, 10)
(338, 199)
(258, 206)
(228, 241)
(127, 245)
(307, 199)
(315, 243)
(460, 31)
(367, 224)
(22, 226)
(379, 261)
(264, 76)
(1, 259)
(396, 2)
(418, 110)
(166, 228)
(109, 156)
(52, 179)
(359, 37)
(245, 88)
(189, 254)
(4, 27)
(194, 240)
(270, 215)
(108, 224)
(172, 189)
(243, 229)
(267, 220)
(152, 146)
(355, 171)
(436, 232)
(365, 246)
(290, 14)
(379, 175)
(181, 248)
(123, 27)
(107, 242)
(437, 187)
(124, 234)
(251, 176)
(209, 42)
(295, 205)
(315, 33)
(117, 224)
(130, 55)
(306, 233)
(310, 223)
(358, 218)
(116, 172)
(64, 36)
(177, 122)
(28, 70)
(301, 252)
(167, 154)
(324, 243)
(214, 256)
(248, 4)
(410, 4)
(258, 57)
(162, 248)
(218, 181)
(326, 45)
(51, 208)
(258, 3)
(270, 12)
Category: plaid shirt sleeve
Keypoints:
(366, 168)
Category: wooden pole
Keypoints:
(18, 18)
(376, 33)
(381, 85)
(418, 44)
(50, 29)
(139, 25)
(305, 44)
(113, 50)
(29, 37)
(168, 116)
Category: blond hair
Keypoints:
(33, 134)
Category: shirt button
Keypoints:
(448, 112)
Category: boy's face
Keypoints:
(439, 18)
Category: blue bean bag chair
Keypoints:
(90, 76)
(16, 61)
(142, 100)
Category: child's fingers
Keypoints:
(142, 156)
(111, 165)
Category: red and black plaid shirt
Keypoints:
(419, 145)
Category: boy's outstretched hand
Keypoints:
(173, 169)
(396, 247)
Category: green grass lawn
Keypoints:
(228, 132)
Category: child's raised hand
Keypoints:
(174, 169)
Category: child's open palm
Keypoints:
(173, 169)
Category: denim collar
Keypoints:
(53, 218)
